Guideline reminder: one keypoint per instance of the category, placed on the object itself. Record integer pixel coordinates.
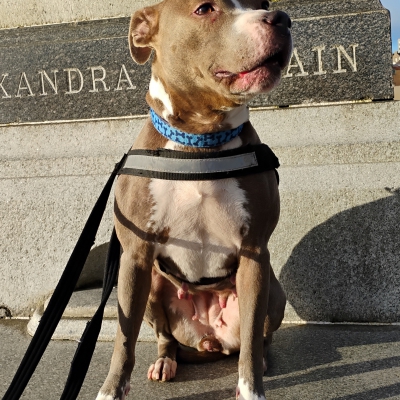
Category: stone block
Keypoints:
(342, 52)
(17, 13)
(335, 248)
(81, 71)
(70, 72)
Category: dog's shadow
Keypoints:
(348, 268)
(92, 274)
(344, 270)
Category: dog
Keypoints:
(202, 327)
(209, 60)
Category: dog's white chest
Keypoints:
(204, 221)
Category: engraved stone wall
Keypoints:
(342, 52)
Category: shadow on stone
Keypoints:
(384, 392)
(310, 353)
(348, 268)
(212, 395)
(93, 270)
(196, 372)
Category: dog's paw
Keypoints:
(164, 369)
(124, 392)
(103, 396)
(243, 392)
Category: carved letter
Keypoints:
(352, 62)
(94, 80)
(53, 85)
(27, 87)
(7, 96)
(298, 65)
(319, 50)
(78, 73)
(127, 79)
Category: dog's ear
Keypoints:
(144, 26)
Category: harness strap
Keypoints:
(201, 282)
(197, 166)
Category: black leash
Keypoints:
(84, 352)
(59, 301)
(264, 160)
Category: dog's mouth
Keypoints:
(277, 59)
(261, 77)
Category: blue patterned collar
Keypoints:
(191, 139)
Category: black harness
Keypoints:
(242, 161)
(199, 166)
(201, 282)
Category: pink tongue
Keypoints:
(242, 74)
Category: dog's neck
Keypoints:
(193, 114)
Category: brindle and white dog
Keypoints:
(210, 59)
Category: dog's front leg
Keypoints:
(134, 283)
(252, 284)
(164, 368)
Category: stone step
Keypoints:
(80, 309)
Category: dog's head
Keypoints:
(233, 48)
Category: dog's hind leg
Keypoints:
(164, 369)
(275, 313)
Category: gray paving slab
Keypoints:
(306, 362)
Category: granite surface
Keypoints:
(342, 52)
(305, 362)
(88, 73)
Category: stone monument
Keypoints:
(81, 71)
(72, 102)
(341, 53)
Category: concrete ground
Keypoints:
(306, 362)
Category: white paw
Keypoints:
(163, 370)
(243, 392)
(125, 390)
(102, 396)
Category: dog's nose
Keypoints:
(278, 18)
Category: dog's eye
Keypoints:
(205, 9)
(265, 5)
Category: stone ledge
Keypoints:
(44, 215)
(318, 155)
(80, 309)
(284, 128)
(16, 13)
